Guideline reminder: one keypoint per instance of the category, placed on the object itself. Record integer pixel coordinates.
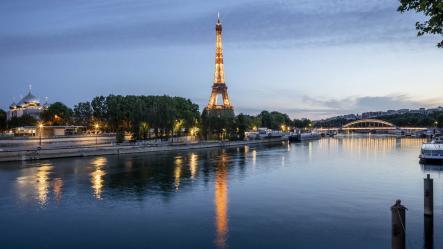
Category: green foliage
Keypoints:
(99, 109)
(83, 114)
(25, 120)
(432, 9)
(57, 114)
(302, 123)
(218, 126)
(3, 120)
(138, 114)
(245, 123)
(416, 119)
(274, 120)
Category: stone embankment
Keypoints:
(81, 151)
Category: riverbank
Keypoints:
(50, 153)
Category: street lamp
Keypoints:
(96, 126)
(40, 126)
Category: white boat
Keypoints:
(432, 151)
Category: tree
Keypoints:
(301, 123)
(99, 109)
(274, 120)
(432, 9)
(245, 123)
(25, 120)
(83, 114)
(57, 114)
(3, 120)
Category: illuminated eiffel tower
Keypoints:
(219, 88)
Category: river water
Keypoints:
(332, 193)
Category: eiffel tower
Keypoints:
(219, 88)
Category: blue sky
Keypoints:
(309, 58)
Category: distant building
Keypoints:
(29, 105)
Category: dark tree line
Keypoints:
(234, 128)
(416, 119)
(154, 116)
(139, 114)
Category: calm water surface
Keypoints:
(332, 193)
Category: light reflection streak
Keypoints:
(221, 201)
(97, 176)
(42, 183)
(193, 165)
(370, 145)
(178, 171)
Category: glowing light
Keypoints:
(97, 181)
(193, 165)
(283, 127)
(178, 172)
(221, 202)
(42, 183)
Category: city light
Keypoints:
(283, 127)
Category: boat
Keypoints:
(432, 152)
(299, 137)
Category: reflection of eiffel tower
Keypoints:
(219, 88)
(221, 201)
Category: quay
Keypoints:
(83, 151)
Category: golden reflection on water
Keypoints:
(97, 176)
(370, 144)
(42, 183)
(254, 157)
(178, 171)
(221, 201)
(193, 165)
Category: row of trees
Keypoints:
(234, 128)
(416, 119)
(163, 115)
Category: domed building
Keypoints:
(29, 105)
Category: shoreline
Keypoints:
(35, 154)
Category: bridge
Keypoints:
(372, 125)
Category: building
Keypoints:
(49, 131)
(219, 102)
(28, 105)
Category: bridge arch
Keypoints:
(369, 123)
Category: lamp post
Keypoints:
(40, 126)
(96, 126)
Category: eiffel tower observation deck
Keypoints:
(219, 102)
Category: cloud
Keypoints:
(114, 24)
(318, 108)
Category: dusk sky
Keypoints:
(308, 58)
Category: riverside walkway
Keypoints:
(38, 153)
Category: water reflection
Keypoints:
(221, 201)
(370, 145)
(177, 171)
(97, 176)
(429, 232)
(42, 183)
(171, 184)
(57, 189)
(193, 165)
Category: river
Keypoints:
(331, 193)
